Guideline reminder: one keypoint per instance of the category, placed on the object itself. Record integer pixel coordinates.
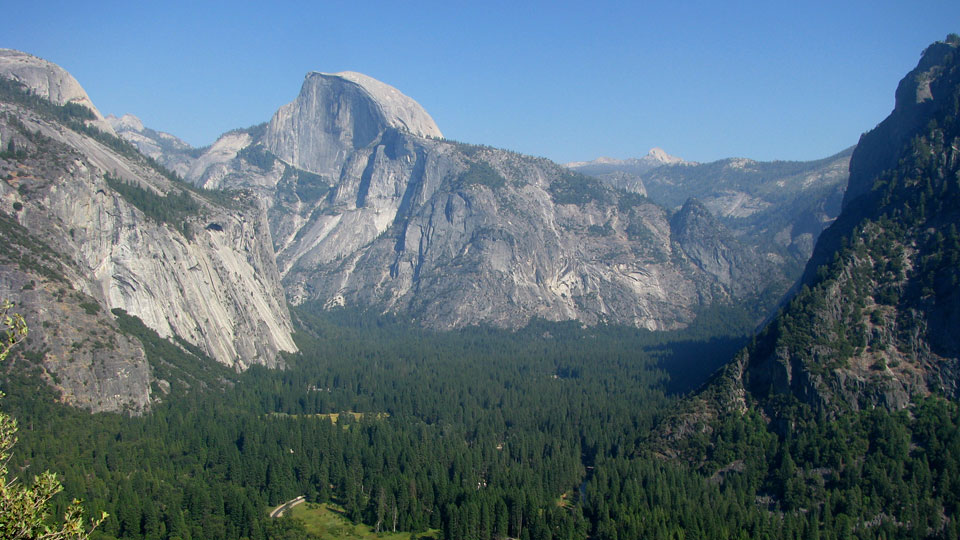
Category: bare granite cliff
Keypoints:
(369, 208)
(778, 208)
(49, 81)
(336, 114)
(97, 227)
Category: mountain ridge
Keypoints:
(100, 227)
(356, 223)
(352, 204)
(870, 324)
(49, 81)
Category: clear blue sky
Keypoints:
(565, 80)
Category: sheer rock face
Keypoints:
(778, 208)
(881, 271)
(83, 354)
(82, 248)
(49, 81)
(714, 249)
(460, 253)
(921, 95)
(218, 288)
(336, 114)
(399, 111)
(366, 211)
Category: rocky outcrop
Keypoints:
(210, 278)
(778, 208)
(336, 114)
(366, 212)
(626, 174)
(873, 322)
(75, 343)
(49, 81)
(921, 96)
(710, 246)
(881, 286)
(491, 237)
(399, 111)
(168, 150)
(117, 234)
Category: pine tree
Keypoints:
(24, 510)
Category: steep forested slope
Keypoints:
(843, 411)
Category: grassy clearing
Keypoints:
(334, 417)
(327, 521)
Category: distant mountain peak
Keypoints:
(127, 122)
(658, 154)
(654, 158)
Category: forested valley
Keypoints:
(480, 433)
(477, 434)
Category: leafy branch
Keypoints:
(24, 510)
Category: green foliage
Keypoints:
(579, 189)
(11, 152)
(179, 363)
(258, 156)
(14, 329)
(628, 199)
(600, 230)
(28, 252)
(826, 462)
(896, 247)
(172, 209)
(24, 510)
(637, 231)
(488, 434)
(328, 521)
(91, 308)
(308, 186)
(516, 414)
(14, 92)
(257, 131)
(480, 173)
